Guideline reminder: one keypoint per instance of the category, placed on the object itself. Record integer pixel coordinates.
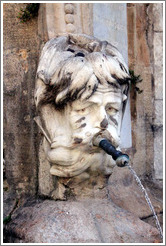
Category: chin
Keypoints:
(79, 162)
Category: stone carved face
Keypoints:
(81, 90)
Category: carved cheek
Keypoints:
(80, 123)
(112, 129)
(80, 120)
(113, 120)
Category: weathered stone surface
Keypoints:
(20, 39)
(158, 16)
(158, 86)
(58, 18)
(69, 8)
(20, 58)
(139, 144)
(125, 193)
(46, 181)
(69, 18)
(145, 32)
(151, 221)
(158, 153)
(70, 28)
(9, 202)
(141, 104)
(158, 112)
(110, 23)
(158, 50)
(158, 77)
(91, 221)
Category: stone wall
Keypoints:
(30, 222)
(157, 66)
(145, 59)
(22, 42)
(20, 61)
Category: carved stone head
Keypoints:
(81, 90)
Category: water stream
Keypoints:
(147, 199)
(121, 161)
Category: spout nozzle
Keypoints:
(120, 158)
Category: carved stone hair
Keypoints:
(74, 66)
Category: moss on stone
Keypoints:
(30, 11)
(135, 79)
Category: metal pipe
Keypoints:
(120, 158)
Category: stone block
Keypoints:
(158, 51)
(158, 110)
(158, 154)
(158, 83)
(13, 70)
(90, 221)
(20, 58)
(158, 16)
(158, 65)
(45, 179)
(125, 193)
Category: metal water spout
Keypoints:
(121, 159)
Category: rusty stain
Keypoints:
(157, 241)
(60, 212)
(23, 53)
(98, 216)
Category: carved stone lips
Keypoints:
(104, 135)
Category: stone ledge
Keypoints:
(87, 221)
(125, 193)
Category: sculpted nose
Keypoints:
(101, 118)
(104, 123)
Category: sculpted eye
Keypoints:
(83, 110)
(80, 110)
(111, 111)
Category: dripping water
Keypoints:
(147, 199)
